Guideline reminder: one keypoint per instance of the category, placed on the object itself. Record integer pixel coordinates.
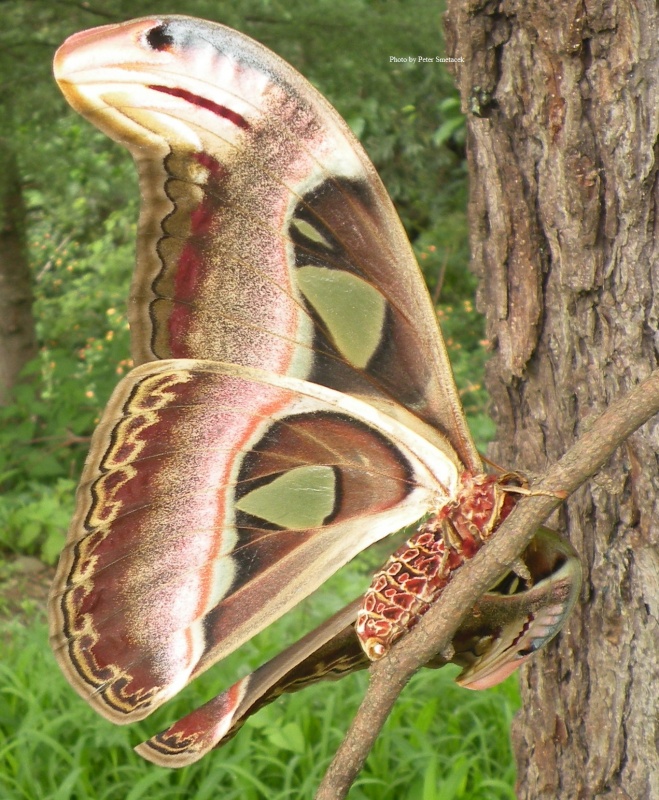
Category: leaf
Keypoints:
(289, 737)
(30, 531)
(447, 129)
(455, 785)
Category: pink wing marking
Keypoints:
(204, 102)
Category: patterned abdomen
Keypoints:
(416, 574)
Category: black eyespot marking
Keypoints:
(158, 38)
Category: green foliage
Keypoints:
(82, 261)
(453, 128)
(463, 332)
(35, 521)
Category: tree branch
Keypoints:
(435, 631)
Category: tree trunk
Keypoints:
(563, 104)
(18, 343)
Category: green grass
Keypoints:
(441, 742)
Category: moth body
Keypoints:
(416, 574)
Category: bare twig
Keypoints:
(439, 284)
(51, 260)
(436, 629)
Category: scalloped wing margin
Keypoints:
(214, 499)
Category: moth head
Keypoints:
(517, 618)
(156, 81)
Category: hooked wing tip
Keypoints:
(77, 52)
(189, 739)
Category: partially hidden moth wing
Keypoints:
(505, 627)
(293, 401)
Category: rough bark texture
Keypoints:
(18, 343)
(563, 102)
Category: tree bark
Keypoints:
(18, 341)
(563, 105)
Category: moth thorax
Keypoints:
(415, 575)
(480, 506)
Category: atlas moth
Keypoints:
(291, 404)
